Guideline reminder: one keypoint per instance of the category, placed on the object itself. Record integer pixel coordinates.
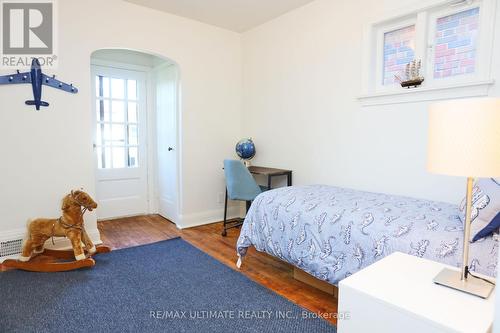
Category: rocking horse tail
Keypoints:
(27, 234)
(28, 224)
(26, 251)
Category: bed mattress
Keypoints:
(332, 232)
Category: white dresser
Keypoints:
(396, 294)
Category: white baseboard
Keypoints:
(208, 217)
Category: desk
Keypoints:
(256, 170)
(270, 173)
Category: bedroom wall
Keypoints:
(45, 154)
(302, 75)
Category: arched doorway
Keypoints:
(135, 106)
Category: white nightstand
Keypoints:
(396, 294)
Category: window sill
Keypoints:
(421, 94)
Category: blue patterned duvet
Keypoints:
(333, 232)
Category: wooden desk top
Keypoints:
(258, 170)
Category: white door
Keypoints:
(166, 107)
(120, 142)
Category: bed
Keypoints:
(331, 232)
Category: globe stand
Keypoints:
(247, 163)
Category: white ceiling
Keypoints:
(235, 15)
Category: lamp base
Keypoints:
(452, 279)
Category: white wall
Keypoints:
(47, 153)
(302, 75)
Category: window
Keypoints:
(451, 43)
(116, 129)
(456, 44)
(399, 50)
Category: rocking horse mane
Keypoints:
(67, 202)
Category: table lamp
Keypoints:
(464, 141)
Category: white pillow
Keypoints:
(485, 203)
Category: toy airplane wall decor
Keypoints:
(37, 79)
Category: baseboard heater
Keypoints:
(11, 247)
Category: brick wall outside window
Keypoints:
(455, 47)
(399, 50)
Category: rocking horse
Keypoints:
(70, 225)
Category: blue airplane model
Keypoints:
(37, 79)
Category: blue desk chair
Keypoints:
(240, 185)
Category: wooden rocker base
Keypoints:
(69, 254)
(62, 266)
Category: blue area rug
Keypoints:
(168, 286)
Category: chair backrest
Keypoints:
(239, 181)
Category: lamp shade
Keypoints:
(464, 138)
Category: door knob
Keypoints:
(170, 148)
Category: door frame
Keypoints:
(151, 147)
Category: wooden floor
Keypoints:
(261, 268)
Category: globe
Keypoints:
(245, 149)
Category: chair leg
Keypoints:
(224, 232)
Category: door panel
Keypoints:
(166, 103)
(120, 142)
